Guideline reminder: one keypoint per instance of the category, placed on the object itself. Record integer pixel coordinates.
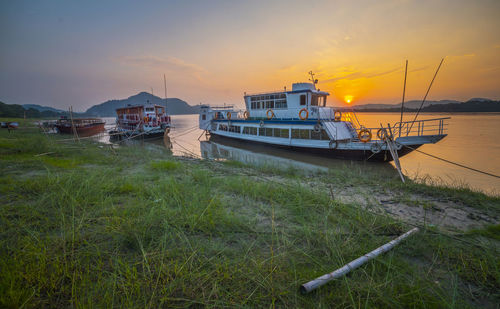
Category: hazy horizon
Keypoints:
(60, 53)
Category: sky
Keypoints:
(82, 53)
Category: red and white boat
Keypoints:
(148, 120)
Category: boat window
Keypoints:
(302, 99)
(235, 129)
(281, 104)
(295, 133)
(149, 109)
(262, 131)
(315, 135)
(304, 134)
(314, 100)
(250, 130)
(281, 133)
(318, 100)
(203, 117)
(269, 131)
(214, 126)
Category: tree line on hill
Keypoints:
(466, 107)
(18, 111)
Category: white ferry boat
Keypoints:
(301, 120)
(148, 120)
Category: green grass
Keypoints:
(85, 226)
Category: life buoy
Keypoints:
(337, 116)
(270, 116)
(228, 115)
(146, 119)
(382, 134)
(246, 114)
(303, 117)
(365, 135)
(216, 115)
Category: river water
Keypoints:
(470, 141)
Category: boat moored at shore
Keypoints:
(147, 121)
(80, 126)
(301, 120)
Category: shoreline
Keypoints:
(87, 223)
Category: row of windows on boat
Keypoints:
(268, 97)
(276, 132)
(281, 103)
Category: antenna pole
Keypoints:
(403, 101)
(152, 91)
(165, 84)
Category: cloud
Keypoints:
(168, 63)
(359, 74)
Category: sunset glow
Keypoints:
(348, 99)
(246, 46)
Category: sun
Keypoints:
(348, 99)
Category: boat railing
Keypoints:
(436, 126)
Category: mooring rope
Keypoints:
(454, 163)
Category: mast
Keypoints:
(165, 84)
(314, 81)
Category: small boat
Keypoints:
(147, 121)
(82, 126)
(11, 125)
(301, 120)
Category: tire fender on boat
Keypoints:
(303, 117)
(317, 127)
(333, 144)
(365, 135)
(270, 116)
(261, 124)
(376, 147)
(398, 146)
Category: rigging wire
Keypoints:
(454, 163)
(425, 97)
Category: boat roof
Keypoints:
(296, 88)
(140, 105)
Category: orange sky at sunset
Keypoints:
(214, 52)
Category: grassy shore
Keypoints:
(84, 225)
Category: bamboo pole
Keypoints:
(316, 283)
(73, 124)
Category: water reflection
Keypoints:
(216, 148)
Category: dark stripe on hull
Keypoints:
(356, 155)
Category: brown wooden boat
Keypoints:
(83, 126)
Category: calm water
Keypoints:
(470, 141)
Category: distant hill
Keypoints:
(43, 108)
(409, 104)
(21, 111)
(471, 106)
(174, 106)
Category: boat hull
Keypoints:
(85, 130)
(345, 154)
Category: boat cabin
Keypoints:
(148, 115)
(287, 104)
